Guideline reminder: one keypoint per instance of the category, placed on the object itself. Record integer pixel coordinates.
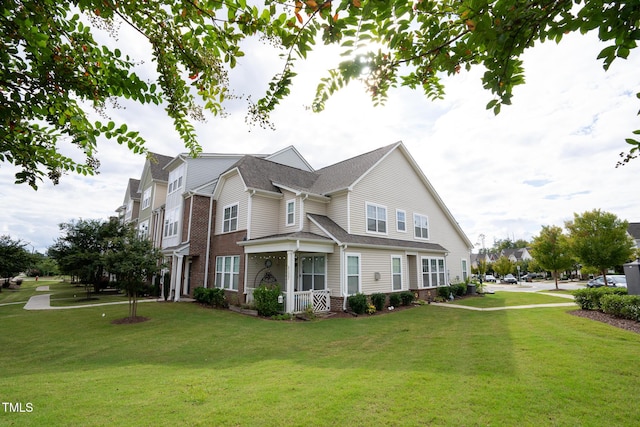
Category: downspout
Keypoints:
(206, 261)
(190, 219)
(343, 284)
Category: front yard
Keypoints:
(428, 365)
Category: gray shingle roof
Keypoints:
(634, 229)
(262, 174)
(134, 194)
(157, 162)
(341, 235)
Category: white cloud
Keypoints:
(550, 154)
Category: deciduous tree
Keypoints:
(53, 67)
(599, 239)
(503, 265)
(551, 250)
(133, 260)
(14, 258)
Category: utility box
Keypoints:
(632, 273)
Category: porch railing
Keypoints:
(319, 300)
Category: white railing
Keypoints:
(319, 300)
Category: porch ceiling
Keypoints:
(297, 242)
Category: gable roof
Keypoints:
(134, 193)
(340, 236)
(262, 174)
(634, 230)
(157, 162)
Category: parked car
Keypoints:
(614, 281)
(489, 278)
(529, 277)
(509, 279)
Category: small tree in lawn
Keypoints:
(600, 239)
(133, 260)
(503, 266)
(551, 250)
(14, 258)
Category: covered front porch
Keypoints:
(299, 266)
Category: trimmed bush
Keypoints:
(624, 306)
(394, 300)
(407, 297)
(378, 301)
(358, 303)
(444, 292)
(211, 296)
(266, 299)
(589, 298)
(459, 289)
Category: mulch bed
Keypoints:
(129, 320)
(627, 324)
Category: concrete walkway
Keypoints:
(515, 307)
(43, 302)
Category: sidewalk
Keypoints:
(515, 307)
(43, 302)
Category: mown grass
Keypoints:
(425, 366)
(509, 299)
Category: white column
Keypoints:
(291, 267)
(176, 284)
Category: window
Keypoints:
(433, 272)
(421, 225)
(396, 273)
(227, 272)
(401, 221)
(171, 222)
(143, 229)
(146, 198)
(465, 273)
(175, 179)
(313, 273)
(291, 212)
(353, 274)
(376, 218)
(230, 219)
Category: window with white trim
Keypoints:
(171, 221)
(227, 272)
(291, 212)
(396, 273)
(465, 272)
(401, 220)
(230, 218)
(433, 272)
(143, 229)
(146, 198)
(313, 272)
(421, 226)
(353, 274)
(376, 218)
(175, 179)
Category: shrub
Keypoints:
(358, 303)
(378, 301)
(458, 289)
(407, 297)
(210, 296)
(394, 300)
(625, 306)
(589, 298)
(444, 292)
(266, 299)
(371, 309)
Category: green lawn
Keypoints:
(425, 366)
(509, 299)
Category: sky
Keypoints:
(549, 155)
